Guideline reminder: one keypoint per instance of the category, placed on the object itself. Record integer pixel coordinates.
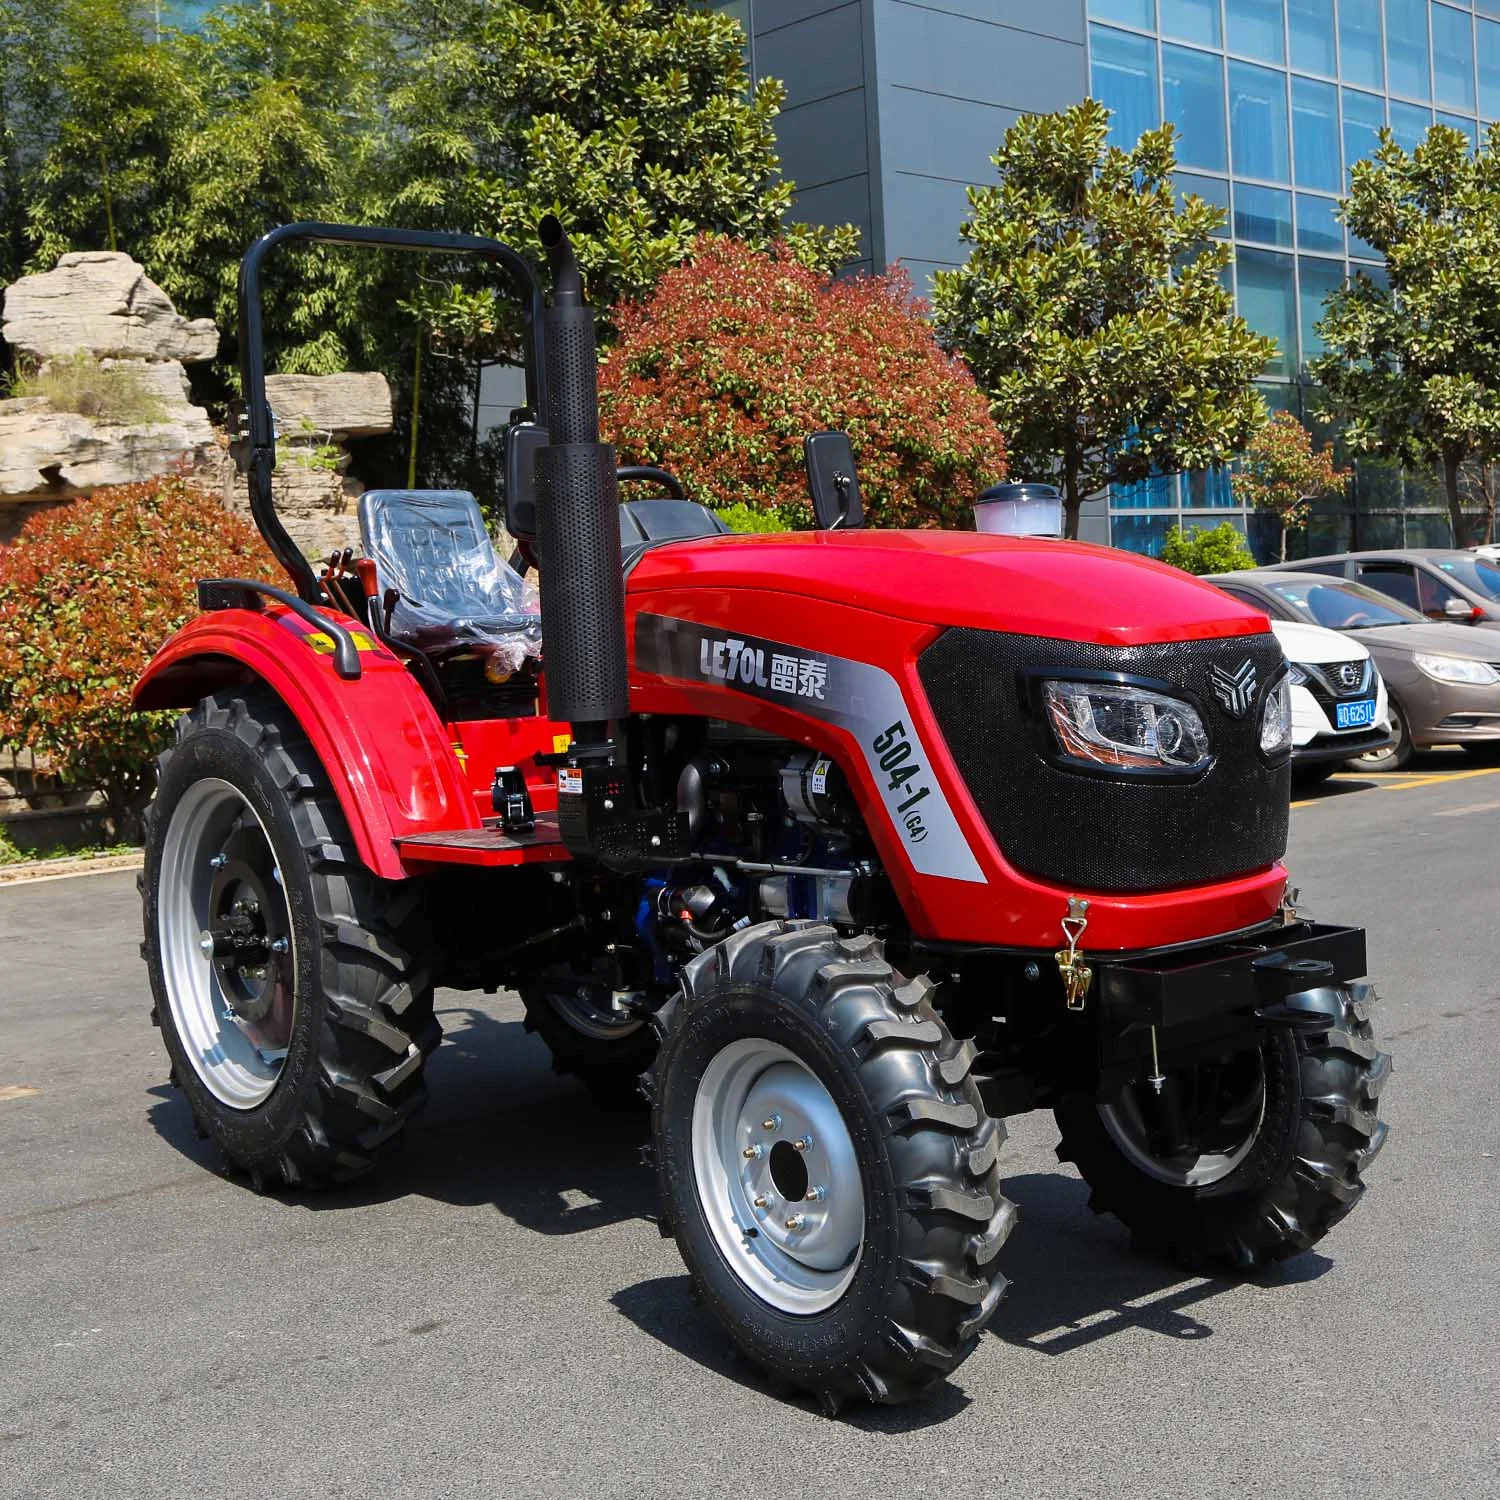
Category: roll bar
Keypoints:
(253, 363)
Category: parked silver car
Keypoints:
(1443, 680)
(1438, 583)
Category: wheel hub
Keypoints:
(777, 1176)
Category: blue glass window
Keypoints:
(1140, 13)
(1254, 28)
(1409, 123)
(1207, 489)
(1122, 75)
(1211, 189)
(1257, 123)
(1310, 23)
(1406, 48)
(1453, 56)
(1318, 227)
(1262, 214)
(1487, 44)
(1193, 100)
(1458, 122)
(1143, 534)
(1159, 492)
(1315, 134)
(1191, 20)
(1360, 58)
(1317, 280)
(1364, 114)
(1268, 303)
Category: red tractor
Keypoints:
(840, 846)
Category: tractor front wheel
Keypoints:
(826, 1164)
(290, 985)
(606, 1049)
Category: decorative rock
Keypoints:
(340, 406)
(102, 302)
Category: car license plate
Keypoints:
(1355, 715)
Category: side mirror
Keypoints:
(1455, 608)
(522, 440)
(832, 482)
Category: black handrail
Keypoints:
(239, 593)
(650, 474)
(253, 364)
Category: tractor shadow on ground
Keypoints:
(1076, 1277)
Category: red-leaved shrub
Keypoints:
(739, 354)
(88, 591)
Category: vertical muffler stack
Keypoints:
(578, 523)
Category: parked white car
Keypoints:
(1339, 704)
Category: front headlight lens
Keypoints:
(1456, 669)
(1276, 719)
(1125, 728)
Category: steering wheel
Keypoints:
(650, 474)
(1355, 621)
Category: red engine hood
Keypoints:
(1027, 586)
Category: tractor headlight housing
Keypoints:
(1276, 719)
(1119, 727)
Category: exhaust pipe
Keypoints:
(578, 524)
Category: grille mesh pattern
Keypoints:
(1096, 832)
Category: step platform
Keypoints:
(489, 847)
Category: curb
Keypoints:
(36, 870)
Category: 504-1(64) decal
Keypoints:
(898, 761)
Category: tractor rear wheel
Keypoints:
(826, 1164)
(290, 985)
(1245, 1161)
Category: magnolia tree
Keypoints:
(741, 353)
(1283, 473)
(1093, 311)
(1413, 369)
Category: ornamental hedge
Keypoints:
(739, 353)
(88, 591)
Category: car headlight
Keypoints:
(1295, 675)
(1276, 718)
(1125, 728)
(1456, 669)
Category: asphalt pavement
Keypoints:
(496, 1315)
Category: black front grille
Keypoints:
(1334, 682)
(1096, 831)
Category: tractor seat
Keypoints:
(433, 547)
(645, 524)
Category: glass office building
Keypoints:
(1274, 100)
(894, 106)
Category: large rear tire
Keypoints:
(1279, 1167)
(290, 985)
(826, 1164)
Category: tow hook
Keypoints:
(1077, 976)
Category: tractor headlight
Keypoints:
(1125, 728)
(1276, 719)
(1456, 669)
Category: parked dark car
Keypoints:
(1438, 583)
(1443, 680)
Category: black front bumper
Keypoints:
(1258, 977)
(1325, 747)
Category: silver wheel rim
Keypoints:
(588, 1010)
(238, 1060)
(777, 1177)
(1125, 1121)
(1398, 726)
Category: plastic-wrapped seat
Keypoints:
(457, 596)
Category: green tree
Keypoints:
(1093, 310)
(632, 120)
(1283, 473)
(1413, 369)
(1198, 550)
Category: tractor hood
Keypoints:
(1025, 586)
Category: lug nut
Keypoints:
(751, 1152)
(218, 862)
(803, 1143)
(816, 1194)
(280, 945)
(796, 1221)
(771, 1122)
(206, 944)
(761, 1201)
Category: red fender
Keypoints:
(381, 742)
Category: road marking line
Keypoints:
(1446, 776)
(18, 1091)
(1467, 808)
